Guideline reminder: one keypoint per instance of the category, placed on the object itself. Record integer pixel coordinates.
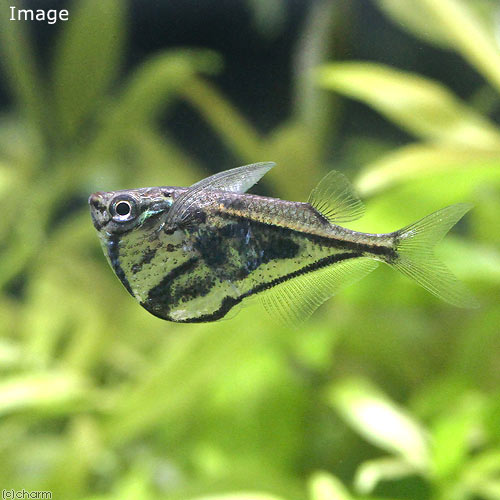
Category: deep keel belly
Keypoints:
(225, 263)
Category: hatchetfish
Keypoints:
(190, 254)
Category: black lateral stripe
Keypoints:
(114, 257)
(229, 302)
(327, 241)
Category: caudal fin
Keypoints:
(416, 259)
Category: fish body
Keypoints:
(192, 254)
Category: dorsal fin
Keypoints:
(335, 199)
(293, 301)
(237, 180)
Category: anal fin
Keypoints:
(293, 301)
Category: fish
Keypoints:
(192, 254)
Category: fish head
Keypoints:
(129, 225)
(118, 212)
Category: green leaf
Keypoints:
(450, 438)
(314, 108)
(370, 473)
(467, 27)
(149, 88)
(420, 195)
(415, 19)
(461, 23)
(70, 477)
(147, 92)
(10, 354)
(86, 60)
(421, 106)
(419, 161)
(489, 490)
(380, 420)
(20, 68)
(481, 475)
(324, 486)
(473, 261)
(7, 177)
(135, 485)
(41, 391)
(421, 21)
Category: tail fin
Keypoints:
(415, 249)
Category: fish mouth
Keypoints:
(98, 209)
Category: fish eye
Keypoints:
(123, 208)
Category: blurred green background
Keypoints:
(386, 393)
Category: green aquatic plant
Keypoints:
(383, 394)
